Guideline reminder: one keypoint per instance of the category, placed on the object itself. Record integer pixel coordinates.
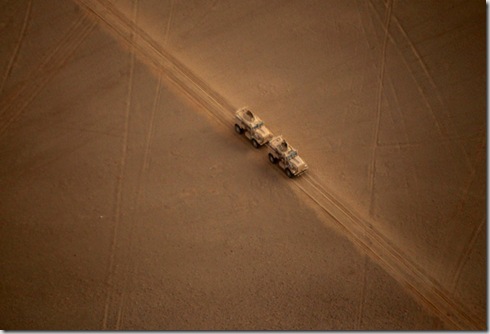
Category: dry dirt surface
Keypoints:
(128, 202)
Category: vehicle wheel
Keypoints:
(255, 143)
(289, 173)
(272, 159)
(238, 129)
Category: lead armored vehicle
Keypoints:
(253, 127)
(286, 157)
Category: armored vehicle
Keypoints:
(286, 157)
(252, 126)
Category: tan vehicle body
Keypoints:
(286, 157)
(253, 127)
(279, 151)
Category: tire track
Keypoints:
(167, 29)
(466, 253)
(137, 201)
(13, 105)
(412, 184)
(360, 314)
(63, 42)
(425, 85)
(419, 59)
(160, 60)
(129, 255)
(118, 204)
(435, 105)
(372, 174)
(22, 34)
(469, 245)
(413, 144)
(151, 126)
(363, 25)
(360, 232)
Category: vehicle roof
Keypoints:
(248, 116)
(282, 145)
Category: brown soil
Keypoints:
(128, 202)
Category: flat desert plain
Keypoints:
(128, 202)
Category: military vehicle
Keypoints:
(286, 157)
(252, 126)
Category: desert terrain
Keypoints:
(127, 201)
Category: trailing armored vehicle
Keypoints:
(286, 157)
(252, 126)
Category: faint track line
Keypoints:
(17, 46)
(399, 145)
(396, 105)
(419, 59)
(372, 176)
(466, 253)
(137, 201)
(400, 116)
(167, 29)
(413, 144)
(363, 26)
(434, 106)
(362, 298)
(431, 104)
(118, 197)
(360, 232)
(468, 247)
(149, 135)
(122, 297)
(14, 103)
(159, 59)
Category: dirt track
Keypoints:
(131, 177)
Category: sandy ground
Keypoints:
(127, 205)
